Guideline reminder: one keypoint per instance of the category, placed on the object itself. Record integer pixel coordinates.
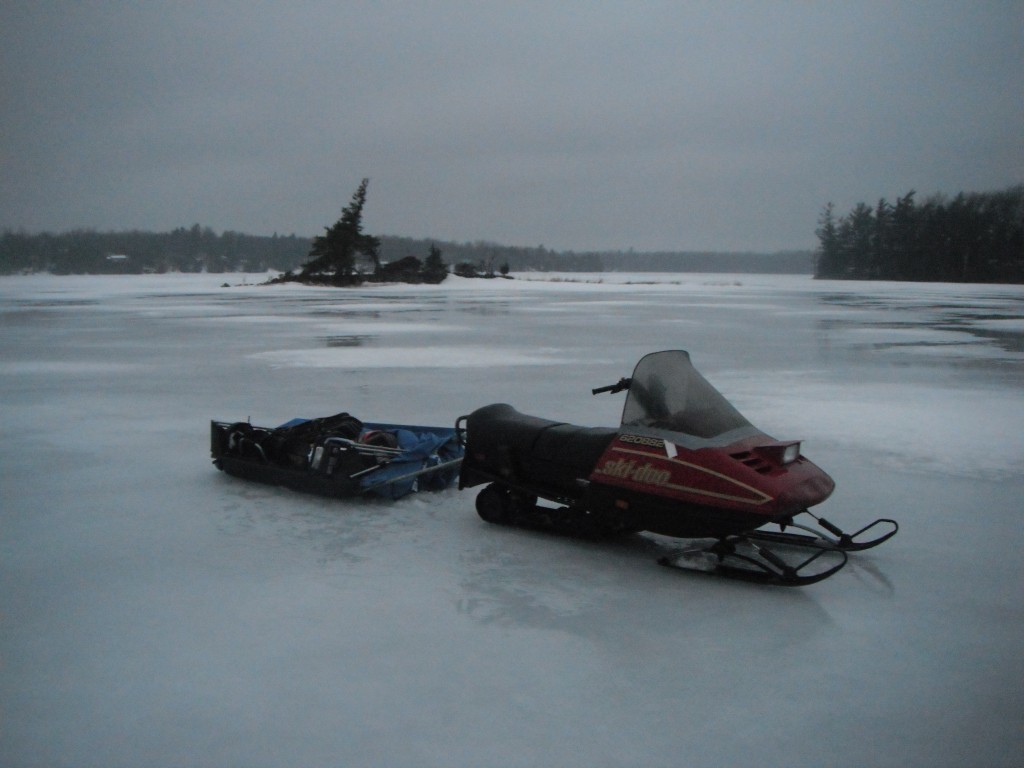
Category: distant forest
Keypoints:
(196, 249)
(972, 238)
(200, 249)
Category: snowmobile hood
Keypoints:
(807, 492)
(750, 473)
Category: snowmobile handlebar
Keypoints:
(618, 386)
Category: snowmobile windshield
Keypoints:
(666, 392)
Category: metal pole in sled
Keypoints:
(409, 475)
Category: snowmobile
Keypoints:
(684, 463)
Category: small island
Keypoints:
(341, 255)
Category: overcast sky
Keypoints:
(576, 125)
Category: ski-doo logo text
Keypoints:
(630, 469)
(654, 442)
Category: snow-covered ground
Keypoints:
(155, 612)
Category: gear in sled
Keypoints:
(339, 455)
(683, 463)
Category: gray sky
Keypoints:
(576, 125)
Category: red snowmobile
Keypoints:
(684, 463)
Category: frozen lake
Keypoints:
(156, 612)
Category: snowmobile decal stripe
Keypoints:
(760, 496)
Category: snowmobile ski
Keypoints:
(837, 540)
(742, 558)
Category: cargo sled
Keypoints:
(339, 455)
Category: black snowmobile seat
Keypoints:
(544, 450)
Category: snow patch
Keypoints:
(434, 356)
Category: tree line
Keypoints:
(195, 249)
(201, 249)
(974, 237)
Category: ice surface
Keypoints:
(155, 612)
(435, 356)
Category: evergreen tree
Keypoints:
(903, 246)
(333, 254)
(861, 231)
(434, 269)
(827, 256)
(880, 240)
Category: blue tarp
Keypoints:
(422, 447)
